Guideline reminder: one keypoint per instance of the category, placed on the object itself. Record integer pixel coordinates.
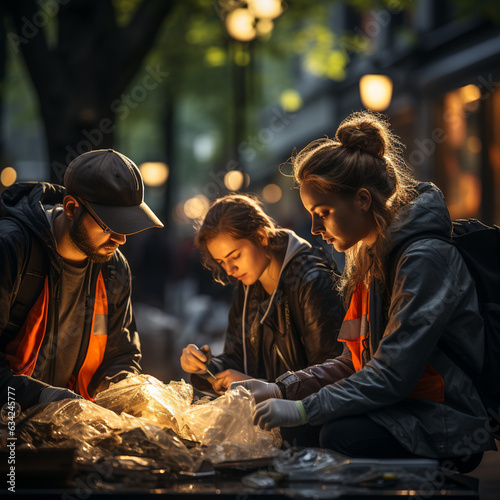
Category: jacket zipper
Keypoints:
(278, 352)
(52, 350)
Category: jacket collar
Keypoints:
(296, 244)
(28, 202)
(427, 213)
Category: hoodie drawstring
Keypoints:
(245, 367)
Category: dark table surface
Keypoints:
(53, 475)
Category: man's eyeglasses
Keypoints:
(90, 211)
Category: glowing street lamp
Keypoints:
(265, 9)
(375, 91)
(240, 24)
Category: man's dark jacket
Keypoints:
(23, 217)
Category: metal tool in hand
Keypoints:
(209, 357)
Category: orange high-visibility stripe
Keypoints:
(354, 328)
(98, 339)
(356, 348)
(22, 352)
(359, 305)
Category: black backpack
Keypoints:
(34, 273)
(479, 245)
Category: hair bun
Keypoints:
(359, 131)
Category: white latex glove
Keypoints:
(279, 413)
(51, 394)
(260, 390)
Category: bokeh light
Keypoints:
(272, 193)
(240, 25)
(470, 93)
(376, 92)
(264, 27)
(8, 176)
(234, 180)
(196, 207)
(215, 56)
(291, 100)
(267, 9)
(155, 173)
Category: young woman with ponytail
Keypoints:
(285, 314)
(408, 295)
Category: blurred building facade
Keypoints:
(445, 103)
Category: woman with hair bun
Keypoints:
(410, 299)
(285, 313)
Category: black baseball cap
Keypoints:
(112, 185)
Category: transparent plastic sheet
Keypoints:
(224, 425)
(145, 396)
(142, 427)
(100, 434)
(311, 464)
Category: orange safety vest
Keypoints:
(355, 328)
(22, 351)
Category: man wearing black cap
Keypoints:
(67, 328)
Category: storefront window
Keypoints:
(494, 154)
(460, 155)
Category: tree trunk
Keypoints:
(3, 43)
(80, 82)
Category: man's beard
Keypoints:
(80, 238)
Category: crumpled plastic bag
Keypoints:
(143, 417)
(145, 396)
(314, 464)
(224, 425)
(98, 434)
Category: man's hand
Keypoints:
(279, 413)
(51, 394)
(260, 390)
(194, 360)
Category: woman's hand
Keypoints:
(195, 360)
(279, 413)
(225, 379)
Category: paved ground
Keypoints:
(488, 474)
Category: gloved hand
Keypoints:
(51, 394)
(279, 413)
(194, 360)
(260, 390)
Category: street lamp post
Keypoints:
(245, 21)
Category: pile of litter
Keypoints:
(142, 418)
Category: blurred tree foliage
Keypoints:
(162, 73)
(80, 61)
